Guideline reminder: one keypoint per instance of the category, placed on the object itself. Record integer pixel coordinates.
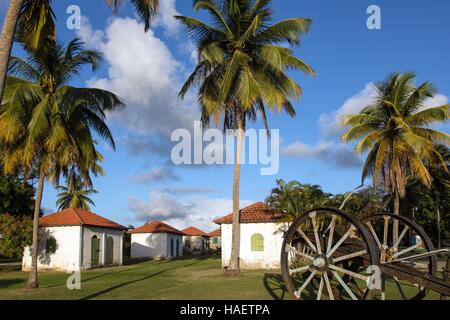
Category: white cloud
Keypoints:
(436, 101)
(337, 155)
(182, 212)
(157, 174)
(165, 19)
(331, 123)
(143, 72)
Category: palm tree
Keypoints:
(34, 21)
(287, 198)
(241, 70)
(47, 125)
(394, 131)
(75, 194)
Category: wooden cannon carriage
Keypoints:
(330, 254)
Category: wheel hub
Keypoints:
(320, 262)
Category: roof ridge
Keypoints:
(78, 216)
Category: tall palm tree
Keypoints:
(75, 194)
(395, 132)
(241, 70)
(47, 124)
(34, 21)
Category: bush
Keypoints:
(17, 233)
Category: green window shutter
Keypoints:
(215, 240)
(257, 242)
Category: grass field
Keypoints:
(189, 278)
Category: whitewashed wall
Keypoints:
(67, 255)
(154, 245)
(196, 244)
(102, 234)
(267, 259)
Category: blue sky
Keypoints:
(146, 70)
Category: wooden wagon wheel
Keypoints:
(405, 255)
(328, 253)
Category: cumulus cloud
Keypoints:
(182, 212)
(158, 174)
(337, 155)
(165, 19)
(436, 101)
(331, 123)
(144, 73)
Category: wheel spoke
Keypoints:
(348, 272)
(406, 250)
(312, 215)
(401, 237)
(307, 240)
(386, 229)
(330, 236)
(319, 293)
(299, 270)
(374, 234)
(306, 256)
(338, 244)
(350, 256)
(298, 293)
(344, 285)
(327, 283)
(399, 286)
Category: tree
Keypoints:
(295, 198)
(394, 131)
(47, 124)
(75, 194)
(241, 70)
(16, 234)
(17, 196)
(34, 21)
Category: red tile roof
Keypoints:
(156, 227)
(193, 231)
(215, 233)
(77, 217)
(256, 213)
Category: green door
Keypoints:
(109, 251)
(95, 251)
(172, 248)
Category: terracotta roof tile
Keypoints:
(193, 231)
(77, 217)
(215, 233)
(256, 213)
(156, 227)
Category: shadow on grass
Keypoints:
(6, 283)
(275, 286)
(99, 293)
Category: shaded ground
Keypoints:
(190, 278)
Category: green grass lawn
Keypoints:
(189, 278)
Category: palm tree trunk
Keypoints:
(7, 38)
(233, 266)
(33, 278)
(439, 227)
(396, 212)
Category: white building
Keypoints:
(214, 242)
(260, 240)
(75, 239)
(195, 241)
(156, 240)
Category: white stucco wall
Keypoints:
(267, 259)
(102, 234)
(67, 255)
(154, 245)
(197, 245)
(215, 246)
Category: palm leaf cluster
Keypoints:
(395, 133)
(243, 61)
(75, 194)
(46, 123)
